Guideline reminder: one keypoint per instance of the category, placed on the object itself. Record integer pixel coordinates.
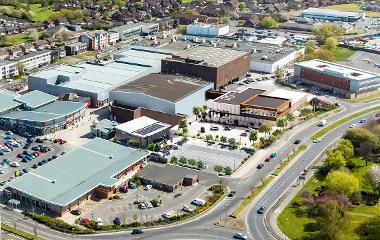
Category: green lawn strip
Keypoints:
(248, 200)
(342, 121)
(352, 7)
(19, 232)
(342, 54)
(297, 151)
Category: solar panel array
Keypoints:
(149, 129)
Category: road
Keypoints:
(204, 227)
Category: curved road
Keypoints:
(204, 227)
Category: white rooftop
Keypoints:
(330, 12)
(338, 70)
(142, 127)
(294, 96)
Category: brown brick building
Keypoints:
(217, 65)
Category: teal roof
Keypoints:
(46, 113)
(79, 171)
(6, 100)
(36, 99)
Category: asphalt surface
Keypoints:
(204, 227)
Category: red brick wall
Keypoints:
(325, 79)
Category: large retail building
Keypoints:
(95, 169)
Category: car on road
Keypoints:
(353, 125)
(260, 166)
(198, 202)
(267, 159)
(232, 193)
(240, 236)
(297, 141)
(76, 212)
(362, 121)
(137, 231)
(273, 154)
(142, 206)
(14, 164)
(261, 210)
(318, 140)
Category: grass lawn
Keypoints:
(342, 54)
(342, 121)
(19, 232)
(364, 99)
(41, 13)
(295, 222)
(352, 7)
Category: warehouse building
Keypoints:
(217, 65)
(132, 30)
(249, 108)
(209, 30)
(95, 169)
(104, 128)
(345, 81)
(165, 97)
(38, 113)
(297, 99)
(332, 15)
(96, 80)
(145, 130)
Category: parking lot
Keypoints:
(364, 60)
(128, 211)
(18, 155)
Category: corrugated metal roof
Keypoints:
(35, 99)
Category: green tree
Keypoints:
(370, 229)
(335, 160)
(342, 183)
(347, 149)
(232, 142)
(330, 43)
(156, 148)
(365, 149)
(196, 111)
(327, 30)
(282, 123)
(265, 128)
(242, 5)
(360, 135)
(174, 160)
(209, 137)
(223, 139)
(200, 164)
(372, 178)
(183, 123)
(253, 136)
(192, 162)
(227, 170)
(218, 168)
(325, 54)
(269, 22)
(311, 47)
(330, 220)
(182, 160)
(290, 117)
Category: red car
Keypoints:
(268, 159)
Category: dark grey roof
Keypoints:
(236, 98)
(266, 101)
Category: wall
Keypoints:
(198, 98)
(322, 78)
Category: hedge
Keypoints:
(19, 232)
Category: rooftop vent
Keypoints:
(52, 181)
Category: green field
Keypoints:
(352, 7)
(342, 121)
(296, 224)
(38, 12)
(342, 54)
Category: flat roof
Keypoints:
(142, 127)
(330, 12)
(338, 70)
(266, 101)
(164, 86)
(294, 96)
(35, 99)
(7, 101)
(236, 98)
(6, 62)
(211, 56)
(46, 113)
(77, 172)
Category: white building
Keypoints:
(8, 69)
(113, 37)
(332, 15)
(298, 99)
(35, 59)
(210, 30)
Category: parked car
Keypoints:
(362, 121)
(14, 164)
(99, 222)
(243, 134)
(76, 212)
(240, 236)
(117, 221)
(353, 125)
(198, 202)
(203, 130)
(9, 133)
(267, 159)
(148, 204)
(35, 166)
(187, 209)
(167, 215)
(260, 166)
(142, 206)
(273, 154)
(297, 141)
(2, 171)
(27, 135)
(137, 231)
(261, 210)
(39, 140)
(147, 187)
(227, 128)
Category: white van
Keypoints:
(323, 122)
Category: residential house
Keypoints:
(15, 52)
(41, 44)
(61, 21)
(189, 18)
(75, 48)
(113, 37)
(38, 26)
(253, 22)
(8, 69)
(27, 48)
(3, 53)
(281, 7)
(34, 60)
(58, 53)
